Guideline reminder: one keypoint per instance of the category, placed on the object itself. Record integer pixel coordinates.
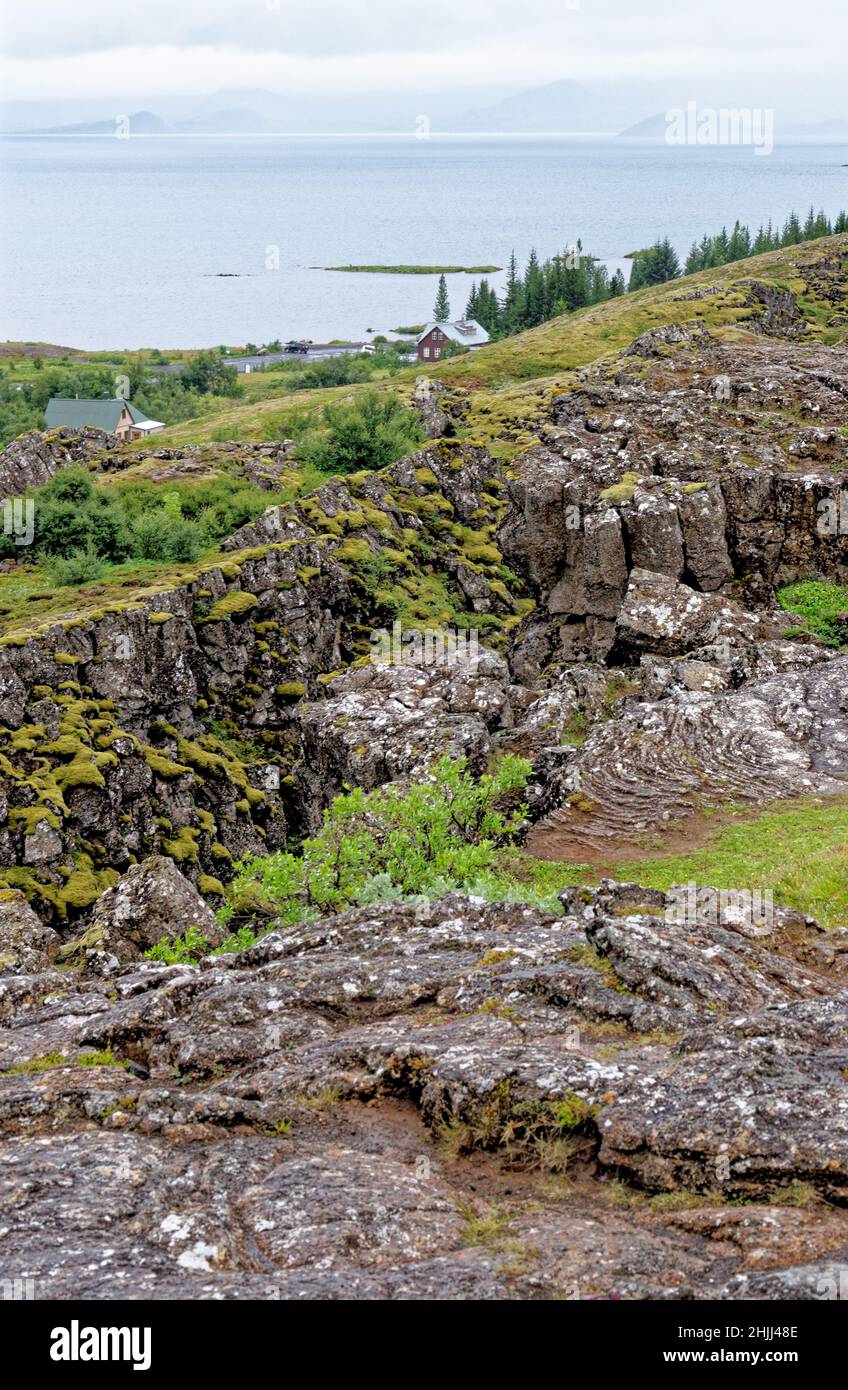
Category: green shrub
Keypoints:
(438, 835)
(80, 568)
(182, 950)
(371, 432)
(161, 535)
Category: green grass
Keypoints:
(818, 603)
(798, 850)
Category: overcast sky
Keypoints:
(758, 50)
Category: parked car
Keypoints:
(297, 346)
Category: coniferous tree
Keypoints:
(512, 296)
(441, 310)
(617, 286)
(534, 292)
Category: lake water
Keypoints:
(147, 242)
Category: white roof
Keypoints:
(148, 426)
(468, 332)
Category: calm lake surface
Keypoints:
(150, 242)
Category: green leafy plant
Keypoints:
(192, 946)
(371, 432)
(440, 834)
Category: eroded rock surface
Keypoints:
(662, 761)
(453, 1100)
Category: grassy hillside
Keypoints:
(512, 380)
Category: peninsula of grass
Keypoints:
(417, 269)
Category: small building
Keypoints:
(114, 415)
(436, 336)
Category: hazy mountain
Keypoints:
(652, 128)
(239, 122)
(140, 123)
(555, 107)
(655, 127)
(241, 111)
(560, 106)
(836, 129)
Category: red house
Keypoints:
(436, 336)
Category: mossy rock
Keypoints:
(291, 690)
(230, 606)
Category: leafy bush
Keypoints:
(160, 535)
(182, 950)
(370, 432)
(80, 568)
(194, 945)
(387, 844)
(72, 516)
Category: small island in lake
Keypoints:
(418, 269)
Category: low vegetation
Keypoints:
(822, 606)
(387, 845)
(82, 528)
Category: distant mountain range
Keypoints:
(655, 128)
(557, 107)
(241, 122)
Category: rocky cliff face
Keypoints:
(716, 465)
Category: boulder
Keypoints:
(152, 900)
(31, 460)
(26, 943)
(662, 616)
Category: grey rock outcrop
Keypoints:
(382, 1104)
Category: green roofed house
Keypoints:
(114, 415)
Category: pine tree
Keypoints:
(441, 311)
(534, 292)
(511, 297)
(617, 286)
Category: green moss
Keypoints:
(66, 659)
(158, 618)
(623, 490)
(30, 817)
(230, 606)
(183, 848)
(291, 690)
(162, 766)
(482, 552)
(82, 771)
(210, 887)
